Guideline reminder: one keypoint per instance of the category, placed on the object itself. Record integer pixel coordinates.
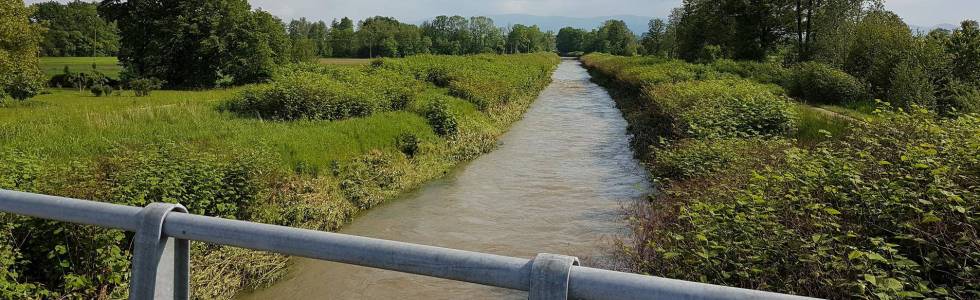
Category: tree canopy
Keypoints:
(20, 77)
(194, 44)
(75, 29)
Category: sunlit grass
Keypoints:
(67, 125)
(814, 126)
(56, 65)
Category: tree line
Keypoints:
(939, 69)
(201, 44)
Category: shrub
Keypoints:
(77, 261)
(721, 108)
(303, 95)
(820, 83)
(691, 158)
(910, 86)
(764, 72)
(888, 212)
(143, 86)
(440, 118)
(408, 144)
(101, 90)
(959, 98)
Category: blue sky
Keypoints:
(916, 12)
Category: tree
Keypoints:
(256, 48)
(614, 37)
(655, 39)
(309, 39)
(484, 36)
(375, 36)
(75, 29)
(881, 42)
(964, 46)
(193, 44)
(911, 86)
(449, 35)
(741, 29)
(831, 33)
(20, 77)
(342, 37)
(570, 40)
(528, 39)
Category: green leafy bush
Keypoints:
(819, 83)
(721, 108)
(764, 72)
(101, 90)
(441, 118)
(76, 261)
(692, 158)
(304, 95)
(143, 86)
(889, 212)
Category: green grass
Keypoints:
(56, 65)
(68, 125)
(814, 126)
(861, 110)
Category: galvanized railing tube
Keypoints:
(546, 277)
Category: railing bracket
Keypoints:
(161, 265)
(549, 276)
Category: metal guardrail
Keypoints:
(161, 259)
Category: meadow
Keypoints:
(759, 190)
(360, 134)
(56, 65)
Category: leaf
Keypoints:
(854, 255)
(930, 218)
(870, 278)
(831, 211)
(875, 256)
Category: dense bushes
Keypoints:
(721, 108)
(815, 82)
(333, 93)
(887, 210)
(304, 95)
(75, 261)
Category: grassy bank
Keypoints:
(311, 149)
(760, 192)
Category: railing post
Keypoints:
(549, 276)
(161, 265)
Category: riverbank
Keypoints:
(556, 184)
(191, 148)
(755, 193)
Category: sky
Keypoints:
(915, 12)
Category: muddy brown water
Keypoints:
(557, 183)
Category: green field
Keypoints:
(70, 125)
(56, 65)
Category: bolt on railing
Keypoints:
(161, 258)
